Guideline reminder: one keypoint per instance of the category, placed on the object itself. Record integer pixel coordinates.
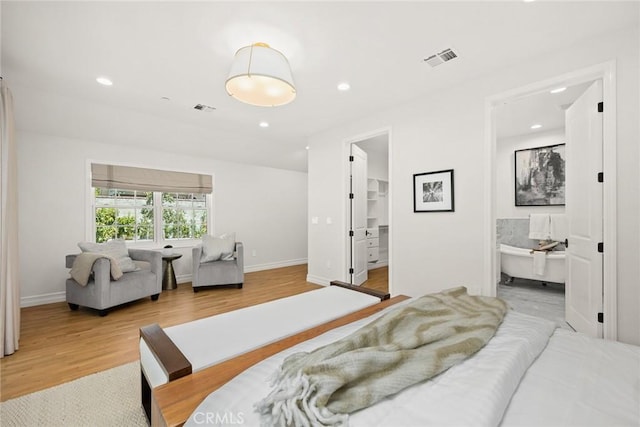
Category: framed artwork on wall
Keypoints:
(433, 191)
(539, 176)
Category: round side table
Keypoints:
(169, 276)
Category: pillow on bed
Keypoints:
(218, 248)
(116, 249)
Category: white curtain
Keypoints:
(9, 286)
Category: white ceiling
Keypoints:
(545, 109)
(53, 51)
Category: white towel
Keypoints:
(539, 226)
(559, 227)
(539, 262)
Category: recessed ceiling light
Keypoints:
(344, 86)
(536, 126)
(528, 1)
(264, 124)
(558, 90)
(307, 147)
(104, 81)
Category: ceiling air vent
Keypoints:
(441, 58)
(205, 108)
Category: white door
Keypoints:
(584, 282)
(358, 229)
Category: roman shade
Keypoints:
(142, 179)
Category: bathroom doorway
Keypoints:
(528, 128)
(532, 117)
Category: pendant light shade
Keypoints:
(261, 76)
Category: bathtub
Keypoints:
(518, 262)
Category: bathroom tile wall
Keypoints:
(515, 232)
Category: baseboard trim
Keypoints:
(183, 278)
(272, 265)
(318, 280)
(379, 264)
(43, 299)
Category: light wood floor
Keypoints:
(58, 345)
(378, 279)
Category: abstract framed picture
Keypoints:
(433, 191)
(539, 176)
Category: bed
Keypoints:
(167, 354)
(529, 373)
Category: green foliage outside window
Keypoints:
(129, 215)
(184, 216)
(116, 213)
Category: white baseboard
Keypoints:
(183, 278)
(319, 280)
(379, 264)
(43, 299)
(272, 265)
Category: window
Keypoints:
(123, 214)
(149, 205)
(184, 215)
(131, 215)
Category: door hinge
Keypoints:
(600, 107)
(601, 247)
(351, 158)
(351, 195)
(600, 317)
(600, 176)
(351, 233)
(351, 271)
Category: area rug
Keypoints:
(108, 398)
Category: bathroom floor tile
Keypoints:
(531, 297)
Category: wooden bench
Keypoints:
(176, 365)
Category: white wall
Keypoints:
(266, 208)
(377, 165)
(433, 251)
(505, 186)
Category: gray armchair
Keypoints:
(102, 293)
(218, 273)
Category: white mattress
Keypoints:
(478, 391)
(214, 339)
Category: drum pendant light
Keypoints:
(261, 76)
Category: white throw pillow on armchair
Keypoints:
(217, 248)
(116, 249)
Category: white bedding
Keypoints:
(579, 381)
(214, 339)
(475, 392)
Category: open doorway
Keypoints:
(510, 121)
(369, 208)
(527, 191)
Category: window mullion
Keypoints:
(210, 225)
(157, 215)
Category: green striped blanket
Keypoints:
(407, 345)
